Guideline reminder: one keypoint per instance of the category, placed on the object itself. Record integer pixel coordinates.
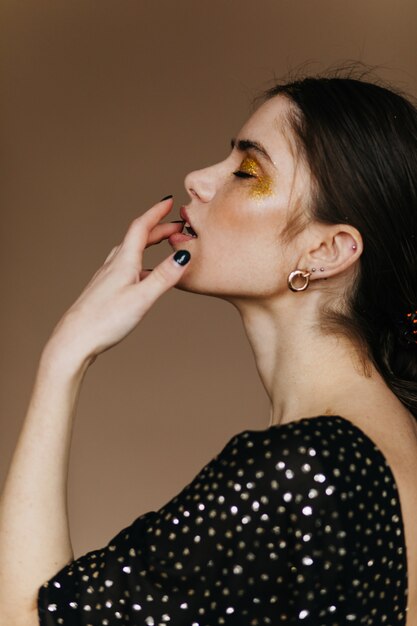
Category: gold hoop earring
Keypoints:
(296, 274)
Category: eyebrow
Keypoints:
(243, 145)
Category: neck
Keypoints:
(305, 373)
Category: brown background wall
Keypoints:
(105, 107)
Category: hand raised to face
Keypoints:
(120, 293)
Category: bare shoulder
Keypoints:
(396, 435)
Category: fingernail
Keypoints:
(166, 198)
(182, 257)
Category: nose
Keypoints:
(200, 184)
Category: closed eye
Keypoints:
(241, 174)
(248, 168)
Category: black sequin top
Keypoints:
(296, 524)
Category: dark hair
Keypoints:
(359, 140)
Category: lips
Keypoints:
(188, 226)
(180, 237)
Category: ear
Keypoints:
(336, 247)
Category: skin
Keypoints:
(35, 540)
(304, 371)
(239, 221)
(244, 230)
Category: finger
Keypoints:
(163, 231)
(161, 278)
(138, 231)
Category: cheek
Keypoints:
(251, 208)
(239, 251)
(247, 266)
(241, 254)
(244, 226)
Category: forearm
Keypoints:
(34, 534)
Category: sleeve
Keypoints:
(246, 539)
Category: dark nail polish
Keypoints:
(166, 198)
(182, 257)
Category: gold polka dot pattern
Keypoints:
(295, 524)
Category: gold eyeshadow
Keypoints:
(261, 184)
(249, 166)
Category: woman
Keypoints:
(308, 228)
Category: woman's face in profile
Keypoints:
(239, 206)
